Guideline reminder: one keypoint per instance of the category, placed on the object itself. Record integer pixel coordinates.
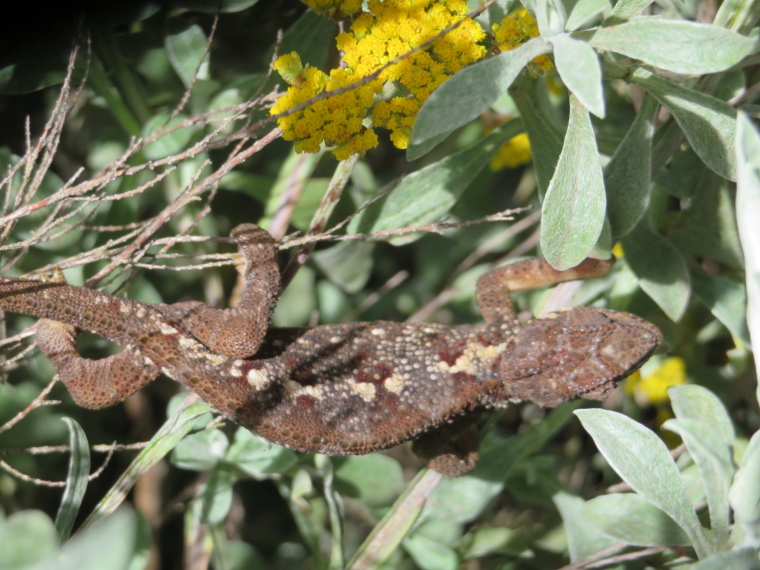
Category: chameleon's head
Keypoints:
(576, 353)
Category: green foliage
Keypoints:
(171, 135)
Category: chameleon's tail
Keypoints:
(83, 308)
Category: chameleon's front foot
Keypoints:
(237, 332)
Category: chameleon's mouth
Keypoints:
(662, 348)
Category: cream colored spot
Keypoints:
(124, 308)
(215, 359)
(194, 348)
(295, 389)
(609, 350)
(473, 358)
(378, 332)
(366, 391)
(395, 383)
(165, 328)
(141, 313)
(257, 378)
(335, 339)
(235, 372)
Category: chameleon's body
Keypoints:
(338, 389)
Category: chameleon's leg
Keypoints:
(493, 288)
(93, 383)
(237, 332)
(451, 449)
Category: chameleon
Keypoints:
(341, 389)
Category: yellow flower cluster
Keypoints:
(335, 120)
(515, 152)
(653, 388)
(516, 29)
(390, 29)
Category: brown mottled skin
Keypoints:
(347, 388)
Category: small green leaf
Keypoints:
(573, 211)
(76, 479)
(578, 66)
(375, 480)
(26, 537)
(348, 264)
(545, 142)
(110, 544)
(583, 539)
(216, 496)
(472, 91)
(625, 10)
(674, 45)
(430, 554)
(708, 123)
(660, 269)
(747, 215)
(694, 402)
(200, 451)
(634, 520)
(707, 227)
(34, 75)
(186, 47)
(426, 195)
(744, 496)
(642, 460)
(585, 11)
(255, 456)
(174, 141)
(683, 176)
(726, 299)
(715, 464)
(627, 174)
(483, 541)
(740, 559)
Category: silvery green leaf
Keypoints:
(675, 45)
(573, 211)
(627, 174)
(642, 460)
(747, 212)
(708, 123)
(660, 269)
(578, 66)
(472, 91)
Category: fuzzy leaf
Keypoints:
(572, 214)
(675, 45)
(472, 91)
(633, 520)
(627, 174)
(578, 66)
(708, 123)
(747, 212)
(642, 460)
(660, 269)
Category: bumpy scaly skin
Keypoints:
(347, 388)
